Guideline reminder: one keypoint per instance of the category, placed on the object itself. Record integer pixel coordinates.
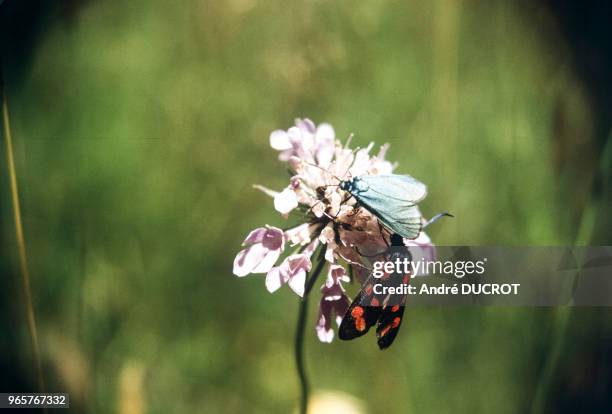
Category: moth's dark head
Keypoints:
(346, 185)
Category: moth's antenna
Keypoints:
(323, 169)
(437, 217)
(348, 170)
(352, 163)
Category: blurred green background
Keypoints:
(140, 127)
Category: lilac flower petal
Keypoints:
(340, 307)
(335, 275)
(248, 259)
(255, 236)
(362, 161)
(299, 235)
(265, 246)
(327, 310)
(325, 156)
(324, 333)
(306, 125)
(318, 209)
(279, 140)
(295, 135)
(309, 250)
(295, 163)
(286, 155)
(240, 269)
(273, 239)
(294, 182)
(303, 142)
(343, 161)
(326, 146)
(325, 134)
(297, 283)
(296, 266)
(327, 234)
(329, 252)
(298, 262)
(267, 262)
(332, 293)
(285, 201)
(323, 328)
(381, 168)
(275, 279)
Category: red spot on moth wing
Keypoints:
(368, 290)
(360, 324)
(357, 312)
(396, 322)
(395, 308)
(385, 330)
(406, 279)
(374, 302)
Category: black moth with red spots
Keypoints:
(369, 309)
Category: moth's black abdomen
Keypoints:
(397, 240)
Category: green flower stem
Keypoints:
(301, 326)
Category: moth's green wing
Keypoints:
(398, 187)
(392, 199)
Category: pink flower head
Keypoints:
(264, 246)
(344, 233)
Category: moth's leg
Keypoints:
(381, 230)
(346, 199)
(341, 203)
(339, 225)
(313, 206)
(320, 196)
(357, 264)
(366, 255)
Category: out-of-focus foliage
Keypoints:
(140, 127)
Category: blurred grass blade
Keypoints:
(23, 261)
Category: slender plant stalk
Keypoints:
(585, 236)
(299, 334)
(299, 354)
(23, 261)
